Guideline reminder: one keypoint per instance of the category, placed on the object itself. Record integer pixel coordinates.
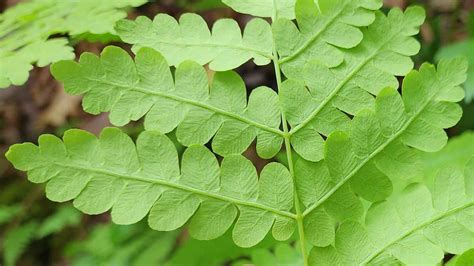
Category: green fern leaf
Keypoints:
(190, 39)
(25, 29)
(399, 125)
(146, 87)
(135, 181)
(397, 230)
(367, 69)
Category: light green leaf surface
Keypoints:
(114, 175)
(25, 31)
(407, 233)
(190, 39)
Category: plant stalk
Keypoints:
(289, 153)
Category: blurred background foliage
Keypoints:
(35, 231)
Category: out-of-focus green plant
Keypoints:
(463, 48)
(20, 234)
(26, 30)
(136, 245)
(110, 244)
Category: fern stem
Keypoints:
(289, 155)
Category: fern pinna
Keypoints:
(352, 140)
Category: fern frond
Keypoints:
(129, 90)
(324, 94)
(136, 180)
(25, 29)
(397, 126)
(190, 39)
(339, 82)
(414, 227)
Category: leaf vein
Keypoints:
(180, 187)
(195, 103)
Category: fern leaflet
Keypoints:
(148, 179)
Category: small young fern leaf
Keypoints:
(112, 173)
(131, 90)
(324, 95)
(416, 226)
(190, 39)
(397, 126)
